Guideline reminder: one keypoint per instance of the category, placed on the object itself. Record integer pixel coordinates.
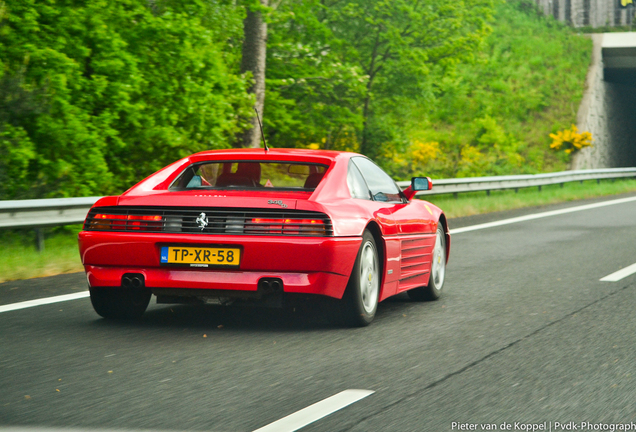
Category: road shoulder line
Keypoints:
(540, 215)
(43, 301)
(621, 274)
(315, 412)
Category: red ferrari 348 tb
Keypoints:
(260, 225)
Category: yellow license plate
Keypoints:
(200, 256)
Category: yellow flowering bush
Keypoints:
(423, 152)
(570, 140)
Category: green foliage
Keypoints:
(127, 87)
(343, 74)
(17, 150)
(313, 96)
(94, 96)
(493, 116)
(17, 105)
(382, 77)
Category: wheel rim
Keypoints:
(439, 261)
(368, 278)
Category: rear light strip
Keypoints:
(217, 221)
(105, 221)
(285, 226)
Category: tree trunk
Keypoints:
(371, 71)
(254, 50)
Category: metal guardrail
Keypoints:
(44, 212)
(487, 184)
(66, 211)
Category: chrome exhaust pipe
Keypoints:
(270, 285)
(133, 280)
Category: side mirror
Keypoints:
(421, 183)
(418, 184)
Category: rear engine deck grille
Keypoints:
(212, 220)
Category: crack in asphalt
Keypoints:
(484, 358)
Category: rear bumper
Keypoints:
(322, 283)
(308, 265)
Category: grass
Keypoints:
(19, 258)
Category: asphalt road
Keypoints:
(525, 333)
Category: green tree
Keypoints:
(314, 94)
(129, 86)
(397, 42)
(363, 61)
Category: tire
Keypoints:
(438, 271)
(363, 289)
(120, 303)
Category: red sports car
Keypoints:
(259, 225)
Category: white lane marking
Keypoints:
(621, 274)
(541, 215)
(315, 412)
(43, 301)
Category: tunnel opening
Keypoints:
(619, 76)
(608, 109)
(620, 112)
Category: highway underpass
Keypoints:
(608, 109)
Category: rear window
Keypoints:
(250, 175)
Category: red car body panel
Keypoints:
(311, 265)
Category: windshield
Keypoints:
(251, 175)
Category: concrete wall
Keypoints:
(582, 13)
(591, 116)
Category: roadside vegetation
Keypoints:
(20, 259)
(493, 116)
(95, 96)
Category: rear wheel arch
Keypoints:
(375, 231)
(360, 301)
(444, 222)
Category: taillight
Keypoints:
(102, 221)
(266, 226)
(105, 221)
(286, 226)
(136, 222)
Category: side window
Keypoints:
(382, 187)
(357, 186)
